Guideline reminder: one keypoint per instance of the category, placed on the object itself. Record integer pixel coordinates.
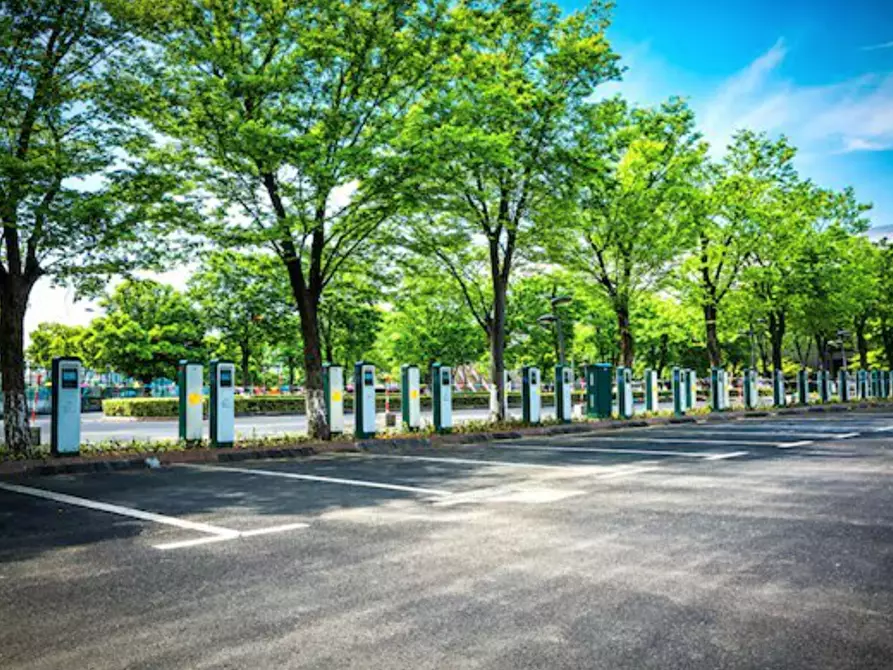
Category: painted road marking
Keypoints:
(674, 440)
(318, 478)
(636, 452)
(131, 512)
(791, 445)
(465, 461)
(216, 533)
(883, 429)
(771, 433)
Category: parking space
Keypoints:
(566, 507)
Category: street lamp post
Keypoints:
(843, 335)
(547, 320)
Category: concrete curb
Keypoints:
(132, 461)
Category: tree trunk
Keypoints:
(862, 341)
(776, 334)
(497, 347)
(14, 293)
(314, 397)
(627, 352)
(713, 351)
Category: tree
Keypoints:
(630, 178)
(795, 212)
(885, 298)
(429, 322)
(50, 340)
(349, 316)
(74, 206)
(147, 329)
(725, 211)
(244, 297)
(482, 147)
(284, 111)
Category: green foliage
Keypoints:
(147, 329)
(50, 340)
(630, 179)
(244, 299)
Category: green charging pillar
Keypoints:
(843, 385)
(779, 398)
(803, 386)
(563, 396)
(364, 399)
(624, 392)
(652, 399)
(410, 397)
(717, 389)
(691, 388)
(751, 392)
(598, 390)
(862, 384)
(875, 384)
(678, 391)
(531, 400)
(442, 397)
(888, 383)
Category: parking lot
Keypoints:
(755, 543)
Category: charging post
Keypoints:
(65, 422)
(222, 408)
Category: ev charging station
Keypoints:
(563, 397)
(751, 392)
(442, 396)
(333, 388)
(651, 392)
(803, 386)
(862, 384)
(719, 389)
(779, 398)
(875, 384)
(823, 385)
(189, 378)
(65, 426)
(222, 409)
(410, 397)
(624, 392)
(531, 403)
(691, 388)
(678, 391)
(598, 390)
(726, 389)
(364, 399)
(843, 385)
(887, 386)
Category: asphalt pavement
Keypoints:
(756, 543)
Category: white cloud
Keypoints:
(875, 47)
(853, 115)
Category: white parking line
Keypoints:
(768, 433)
(215, 533)
(791, 445)
(706, 455)
(882, 429)
(318, 478)
(465, 461)
(674, 440)
(225, 533)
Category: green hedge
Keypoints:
(293, 404)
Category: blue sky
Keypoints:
(819, 71)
